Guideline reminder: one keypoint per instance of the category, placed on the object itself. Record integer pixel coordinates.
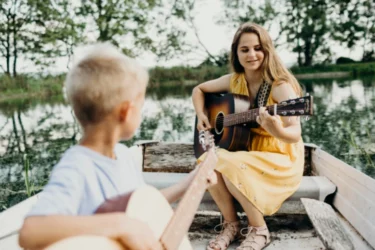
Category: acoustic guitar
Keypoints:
(148, 205)
(231, 118)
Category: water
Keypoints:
(36, 132)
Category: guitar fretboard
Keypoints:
(184, 214)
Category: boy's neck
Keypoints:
(101, 139)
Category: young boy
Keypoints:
(106, 90)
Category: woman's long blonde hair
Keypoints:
(273, 70)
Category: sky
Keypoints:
(215, 37)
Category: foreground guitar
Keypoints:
(147, 204)
(231, 118)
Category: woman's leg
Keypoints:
(254, 216)
(223, 198)
(230, 227)
(258, 235)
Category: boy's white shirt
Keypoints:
(83, 179)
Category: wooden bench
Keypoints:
(313, 187)
(164, 164)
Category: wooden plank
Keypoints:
(179, 157)
(168, 157)
(355, 197)
(327, 225)
(351, 172)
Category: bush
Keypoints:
(343, 60)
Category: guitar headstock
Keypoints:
(206, 139)
(296, 107)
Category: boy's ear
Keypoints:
(124, 111)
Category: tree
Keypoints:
(134, 25)
(354, 24)
(241, 11)
(307, 29)
(35, 30)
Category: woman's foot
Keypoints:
(228, 233)
(257, 238)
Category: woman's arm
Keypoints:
(218, 85)
(289, 130)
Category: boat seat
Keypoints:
(313, 187)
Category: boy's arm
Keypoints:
(41, 231)
(176, 191)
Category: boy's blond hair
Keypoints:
(103, 78)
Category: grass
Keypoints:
(356, 69)
(24, 86)
(28, 185)
(362, 151)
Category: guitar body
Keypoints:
(232, 138)
(146, 204)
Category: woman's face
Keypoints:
(250, 52)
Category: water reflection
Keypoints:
(38, 131)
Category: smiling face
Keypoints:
(250, 52)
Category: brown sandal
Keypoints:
(257, 238)
(228, 233)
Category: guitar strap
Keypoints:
(262, 95)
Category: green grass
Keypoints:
(356, 69)
(28, 184)
(24, 85)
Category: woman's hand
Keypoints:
(136, 235)
(272, 124)
(203, 122)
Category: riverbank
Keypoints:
(25, 86)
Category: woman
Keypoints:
(262, 178)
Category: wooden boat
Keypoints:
(334, 208)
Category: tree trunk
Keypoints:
(15, 51)
(8, 51)
(307, 52)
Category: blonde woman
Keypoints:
(263, 177)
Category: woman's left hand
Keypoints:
(272, 124)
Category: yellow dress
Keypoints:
(270, 171)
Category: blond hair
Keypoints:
(273, 70)
(100, 80)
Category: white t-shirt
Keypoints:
(84, 179)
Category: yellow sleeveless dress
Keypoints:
(270, 171)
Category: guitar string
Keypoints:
(246, 116)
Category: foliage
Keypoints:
(356, 68)
(311, 28)
(36, 30)
(355, 24)
(134, 25)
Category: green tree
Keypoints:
(241, 11)
(35, 30)
(354, 24)
(307, 28)
(134, 25)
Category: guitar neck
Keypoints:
(245, 117)
(295, 107)
(184, 214)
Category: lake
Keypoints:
(35, 132)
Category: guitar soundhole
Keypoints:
(219, 123)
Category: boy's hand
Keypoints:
(137, 235)
(211, 178)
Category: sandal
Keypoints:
(228, 233)
(257, 238)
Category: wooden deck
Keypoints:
(354, 200)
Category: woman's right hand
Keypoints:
(137, 235)
(203, 122)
